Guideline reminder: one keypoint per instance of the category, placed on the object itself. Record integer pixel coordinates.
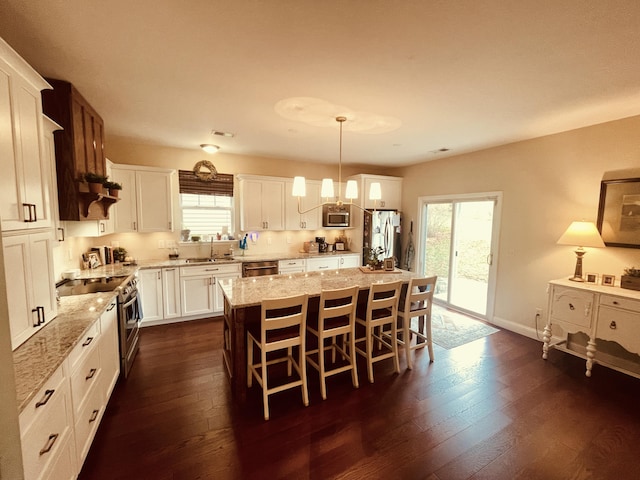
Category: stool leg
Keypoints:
(369, 347)
(352, 359)
(323, 380)
(406, 327)
(249, 362)
(265, 395)
(429, 338)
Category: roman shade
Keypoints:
(222, 184)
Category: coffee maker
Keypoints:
(322, 245)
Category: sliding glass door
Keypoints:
(458, 241)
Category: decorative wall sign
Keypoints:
(209, 173)
(619, 212)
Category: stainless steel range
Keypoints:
(129, 310)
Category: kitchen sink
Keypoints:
(208, 260)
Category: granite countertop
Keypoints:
(245, 292)
(36, 359)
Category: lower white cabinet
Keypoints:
(323, 263)
(59, 424)
(199, 291)
(294, 265)
(603, 313)
(160, 293)
(28, 264)
(48, 445)
(350, 260)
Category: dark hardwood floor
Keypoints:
(491, 409)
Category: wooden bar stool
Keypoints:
(417, 303)
(336, 317)
(380, 316)
(282, 327)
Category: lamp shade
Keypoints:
(326, 190)
(375, 192)
(351, 190)
(299, 187)
(581, 234)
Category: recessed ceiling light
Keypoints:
(207, 147)
(222, 134)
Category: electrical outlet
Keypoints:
(160, 243)
(269, 240)
(115, 244)
(289, 239)
(539, 312)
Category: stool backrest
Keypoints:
(336, 305)
(419, 296)
(383, 300)
(283, 321)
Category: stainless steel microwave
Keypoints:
(335, 215)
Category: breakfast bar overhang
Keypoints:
(243, 298)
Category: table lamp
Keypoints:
(581, 234)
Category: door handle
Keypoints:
(490, 259)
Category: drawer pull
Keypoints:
(92, 372)
(87, 341)
(111, 307)
(571, 307)
(613, 325)
(45, 399)
(94, 415)
(49, 445)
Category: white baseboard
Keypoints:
(165, 321)
(522, 329)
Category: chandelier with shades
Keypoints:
(327, 191)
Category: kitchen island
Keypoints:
(243, 298)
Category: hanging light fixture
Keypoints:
(327, 191)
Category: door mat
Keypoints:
(452, 329)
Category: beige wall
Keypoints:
(547, 183)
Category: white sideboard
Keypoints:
(602, 313)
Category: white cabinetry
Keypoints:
(261, 203)
(294, 265)
(160, 293)
(25, 196)
(48, 447)
(311, 220)
(350, 260)
(28, 263)
(391, 188)
(109, 349)
(603, 314)
(323, 263)
(146, 199)
(200, 293)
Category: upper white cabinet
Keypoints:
(25, 195)
(391, 188)
(311, 220)
(28, 264)
(261, 203)
(146, 199)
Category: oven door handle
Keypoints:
(131, 301)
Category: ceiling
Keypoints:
(463, 75)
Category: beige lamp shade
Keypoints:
(581, 234)
(299, 187)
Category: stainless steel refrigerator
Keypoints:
(382, 229)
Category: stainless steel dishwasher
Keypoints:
(259, 269)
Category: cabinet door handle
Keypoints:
(49, 445)
(94, 415)
(37, 322)
(102, 227)
(87, 341)
(613, 325)
(135, 226)
(61, 230)
(92, 373)
(41, 318)
(571, 307)
(111, 307)
(159, 277)
(47, 396)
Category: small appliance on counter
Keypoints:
(322, 245)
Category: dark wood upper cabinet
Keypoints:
(79, 149)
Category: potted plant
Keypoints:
(631, 278)
(373, 258)
(113, 187)
(95, 181)
(119, 254)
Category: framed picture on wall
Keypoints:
(619, 212)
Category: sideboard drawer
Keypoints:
(572, 306)
(619, 302)
(620, 326)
